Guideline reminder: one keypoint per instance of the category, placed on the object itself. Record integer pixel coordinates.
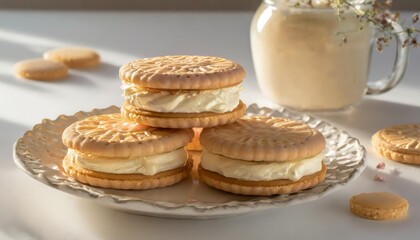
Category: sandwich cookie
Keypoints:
(182, 91)
(262, 156)
(105, 151)
(399, 143)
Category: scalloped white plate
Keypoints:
(40, 151)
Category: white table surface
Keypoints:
(30, 210)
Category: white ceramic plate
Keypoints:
(40, 151)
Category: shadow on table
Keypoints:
(21, 83)
(9, 134)
(17, 230)
(106, 71)
(372, 115)
(316, 218)
(14, 51)
(74, 78)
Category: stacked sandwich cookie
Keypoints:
(105, 151)
(144, 147)
(182, 91)
(262, 156)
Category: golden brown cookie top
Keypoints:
(401, 138)
(74, 57)
(381, 200)
(109, 136)
(40, 69)
(259, 138)
(379, 206)
(183, 72)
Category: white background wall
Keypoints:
(158, 4)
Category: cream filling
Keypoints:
(181, 101)
(146, 165)
(260, 171)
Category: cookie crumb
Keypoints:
(379, 178)
(380, 165)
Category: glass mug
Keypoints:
(302, 63)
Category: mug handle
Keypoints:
(400, 65)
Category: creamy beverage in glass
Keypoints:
(302, 62)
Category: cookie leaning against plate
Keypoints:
(105, 151)
(182, 91)
(262, 156)
(399, 143)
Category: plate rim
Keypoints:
(200, 208)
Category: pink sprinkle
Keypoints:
(379, 178)
(380, 165)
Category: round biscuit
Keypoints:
(260, 138)
(183, 72)
(127, 181)
(181, 120)
(40, 69)
(399, 143)
(398, 157)
(379, 205)
(261, 188)
(74, 57)
(110, 136)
